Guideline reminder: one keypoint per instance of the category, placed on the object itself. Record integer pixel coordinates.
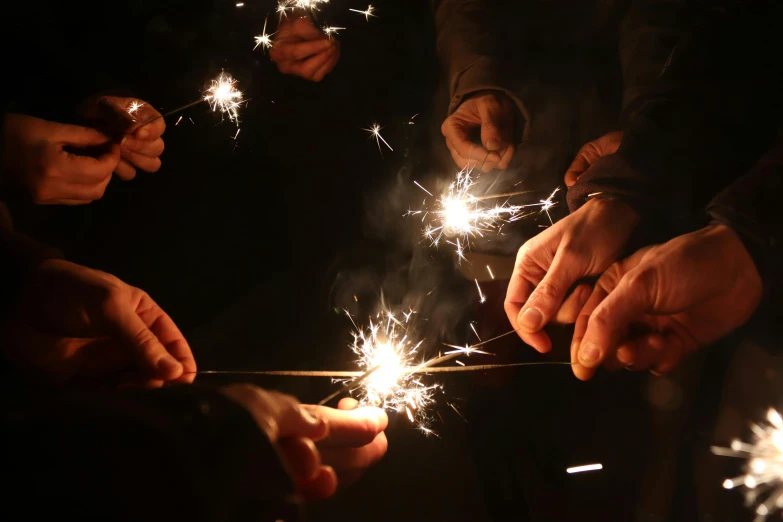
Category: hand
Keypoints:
(667, 300)
(136, 125)
(583, 244)
(75, 321)
(57, 163)
(494, 115)
(300, 49)
(294, 429)
(590, 153)
(356, 438)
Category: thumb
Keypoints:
(150, 354)
(492, 127)
(78, 136)
(633, 297)
(546, 299)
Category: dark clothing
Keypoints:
(182, 453)
(713, 113)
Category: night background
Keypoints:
(255, 245)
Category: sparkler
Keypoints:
(264, 40)
(367, 14)
(375, 131)
(223, 95)
(763, 479)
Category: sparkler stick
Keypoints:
(354, 373)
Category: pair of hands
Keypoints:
(646, 310)
(301, 49)
(79, 322)
(57, 163)
(321, 446)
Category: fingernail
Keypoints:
(492, 145)
(309, 415)
(168, 365)
(531, 319)
(124, 139)
(142, 134)
(589, 354)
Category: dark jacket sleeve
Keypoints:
(712, 113)
(183, 453)
(750, 207)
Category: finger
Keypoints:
(142, 162)
(304, 29)
(327, 67)
(82, 168)
(302, 457)
(347, 403)
(306, 68)
(167, 332)
(545, 300)
(151, 148)
(573, 304)
(598, 294)
(609, 322)
(494, 125)
(78, 136)
(351, 428)
(457, 133)
(125, 170)
(294, 420)
(348, 459)
(651, 351)
(150, 126)
(324, 485)
(506, 157)
(295, 51)
(78, 192)
(578, 167)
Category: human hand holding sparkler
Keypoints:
(294, 429)
(57, 163)
(679, 296)
(303, 50)
(356, 438)
(73, 321)
(583, 244)
(491, 113)
(590, 153)
(136, 125)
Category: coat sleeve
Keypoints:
(475, 46)
(182, 453)
(710, 115)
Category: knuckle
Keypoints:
(545, 291)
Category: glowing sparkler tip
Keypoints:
(367, 14)
(329, 30)
(264, 39)
(222, 95)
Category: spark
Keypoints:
(548, 203)
(222, 95)
(241, 4)
(283, 6)
(460, 363)
(490, 272)
(466, 350)
(422, 188)
(134, 107)
(237, 134)
(460, 214)
(179, 120)
(482, 297)
(367, 14)
(587, 467)
(473, 327)
(264, 40)
(329, 31)
(763, 479)
(375, 131)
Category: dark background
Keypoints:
(253, 245)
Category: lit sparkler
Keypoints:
(375, 131)
(367, 14)
(222, 95)
(763, 479)
(264, 40)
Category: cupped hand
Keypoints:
(490, 115)
(664, 301)
(57, 163)
(590, 153)
(583, 244)
(301, 49)
(356, 438)
(76, 321)
(136, 125)
(294, 429)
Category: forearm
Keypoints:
(475, 46)
(184, 453)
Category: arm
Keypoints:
(183, 453)
(709, 116)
